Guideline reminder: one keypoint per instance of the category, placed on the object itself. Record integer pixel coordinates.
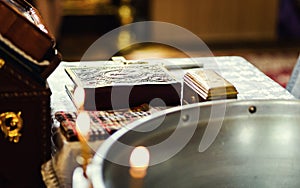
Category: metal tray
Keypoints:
(213, 144)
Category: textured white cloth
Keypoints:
(293, 85)
(249, 81)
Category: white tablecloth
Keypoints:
(250, 82)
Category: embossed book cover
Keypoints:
(122, 86)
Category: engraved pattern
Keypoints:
(91, 77)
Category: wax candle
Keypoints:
(83, 127)
(79, 180)
(139, 162)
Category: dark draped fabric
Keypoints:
(289, 19)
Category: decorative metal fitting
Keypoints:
(11, 125)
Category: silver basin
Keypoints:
(246, 144)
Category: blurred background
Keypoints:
(265, 32)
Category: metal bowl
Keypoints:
(213, 144)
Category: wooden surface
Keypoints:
(220, 20)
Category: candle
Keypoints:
(139, 162)
(83, 127)
(79, 97)
(79, 180)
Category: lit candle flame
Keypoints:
(79, 97)
(83, 123)
(139, 162)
